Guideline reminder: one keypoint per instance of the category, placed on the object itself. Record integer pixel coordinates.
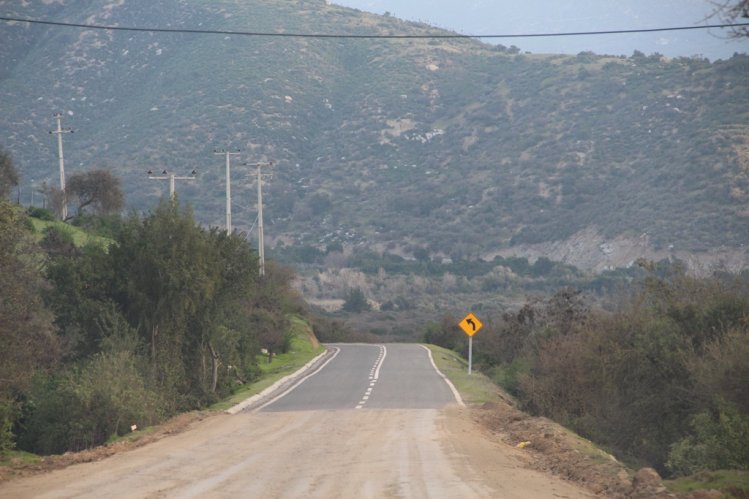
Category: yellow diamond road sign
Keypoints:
(470, 325)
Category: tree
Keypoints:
(54, 197)
(80, 294)
(421, 255)
(732, 12)
(223, 329)
(8, 173)
(356, 301)
(98, 189)
(27, 338)
(163, 277)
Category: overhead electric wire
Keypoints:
(373, 36)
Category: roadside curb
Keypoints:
(450, 384)
(281, 384)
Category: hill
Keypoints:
(554, 16)
(462, 149)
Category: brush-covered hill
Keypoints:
(458, 147)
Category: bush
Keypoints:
(87, 405)
(510, 376)
(8, 414)
(661, 381)
(356, 301)
(40, 213)
(719, 441)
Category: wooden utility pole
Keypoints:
(228, 155)
(61, 159)
(260, 234)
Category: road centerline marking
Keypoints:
(374, 375)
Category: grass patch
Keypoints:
(133, 436)
(80, 237)
(475, 388)
(16, 457)
(304, 347)
(732, 483)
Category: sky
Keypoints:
(535, 16)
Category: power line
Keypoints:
(343, 35)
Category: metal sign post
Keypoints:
(470, 353)
(470, 326)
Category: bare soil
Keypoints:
(490, 451)
(175, 425)
(550, 448)
(367, 453)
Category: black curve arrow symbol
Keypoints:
(473, 324)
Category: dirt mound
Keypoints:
(550, 447)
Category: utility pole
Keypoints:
(228, 184)
(171, 177)
(260, 234)
(61, 159)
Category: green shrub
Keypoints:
(720, 440)
(8, 414)
(509, 376)
(40, 213)
(356, 301)
(87, 405)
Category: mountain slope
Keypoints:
(455, 146)
(553, 16)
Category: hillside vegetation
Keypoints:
(167, 317)
(659, 381)
(452, 146)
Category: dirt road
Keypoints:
(326, 454)
(376, 422)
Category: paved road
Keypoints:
(371, 377)
(376, 421)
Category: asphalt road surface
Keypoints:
(375, 421)
(372, 377)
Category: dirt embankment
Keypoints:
(548, 447)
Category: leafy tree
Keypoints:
(28, 342)
(81, 297)
(421, 254)
(222, 331)
(98, 189)
(8, 173)
(270, 331)
(54, 197)
(446, 334)
(356, 301)
(163, 277)
(334, 247)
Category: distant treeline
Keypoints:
(663, 380)
(543, 274)
(165, 316)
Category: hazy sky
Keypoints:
(534, 16)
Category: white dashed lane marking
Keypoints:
(374, 374)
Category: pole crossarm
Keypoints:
(171, 177)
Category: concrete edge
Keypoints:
(258, 397)
(456, 394)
